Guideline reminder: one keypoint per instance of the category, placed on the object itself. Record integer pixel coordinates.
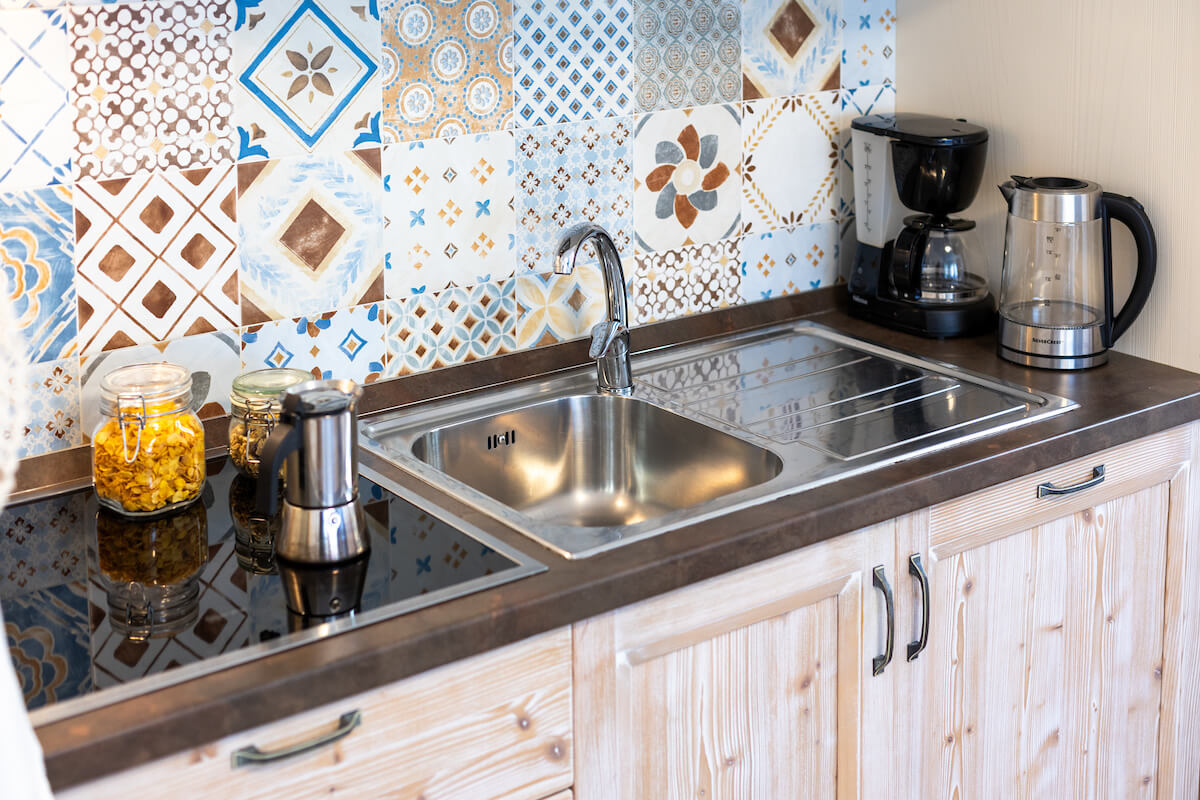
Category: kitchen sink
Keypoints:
(595, 460)
(712, 427)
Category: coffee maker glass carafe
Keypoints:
(939, 261)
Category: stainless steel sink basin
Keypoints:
(595, 460)
(712, 428)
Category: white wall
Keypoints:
(1096, 89)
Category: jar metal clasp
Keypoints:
(128, 411)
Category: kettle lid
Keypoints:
(1053, 199)
(317, 398)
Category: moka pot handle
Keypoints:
(284, 440)
(1129, 212)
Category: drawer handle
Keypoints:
(252, 755)
(917, 570)
(879, 581)
(1048, 489)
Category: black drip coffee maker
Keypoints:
(919, 272)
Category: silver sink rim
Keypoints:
(799, 473)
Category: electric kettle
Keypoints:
(1056, 287)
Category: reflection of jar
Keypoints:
(254, 543)
(150, 570)
(148, 451)
(254, 410)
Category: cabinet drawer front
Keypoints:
(979, 517)
(497, 725)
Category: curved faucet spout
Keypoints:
(610, 338)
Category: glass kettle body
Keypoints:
(1056, 293)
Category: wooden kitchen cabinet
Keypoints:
(494, 726)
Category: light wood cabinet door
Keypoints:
(742, 686)
(1056, 657)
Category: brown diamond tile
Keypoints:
(156, 214)
(791, 27)
(313, 234)
(116, 262)
(197, 251)
(159, 299)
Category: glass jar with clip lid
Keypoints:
(148, 451)
(254, 410)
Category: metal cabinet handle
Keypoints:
(879, 581)
(1048, 489)
(252, 755)
(918, 571)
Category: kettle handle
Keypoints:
(1129, 212)
(906, 260)
(284, 439)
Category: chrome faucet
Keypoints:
(610, 338)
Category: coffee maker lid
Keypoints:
(923, 129)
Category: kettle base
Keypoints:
(1052, 362)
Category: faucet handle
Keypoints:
(603, 335)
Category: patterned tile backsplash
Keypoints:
(373, 189)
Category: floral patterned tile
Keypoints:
(789, 261)
(568, 175)
(37, 263)
(448, 210)
(790, 171)
(311, 234)
(151, 86)
(156, 257)
(346, 344)
(214, 360)
(447, 68)
(686, 171)
(47, 639)
(688, 53)
(307, 77)
(54, 414)
(556, 308)
(40, 545)
(869, 42)
(574, 60)
(690, 280)
(35, 128)
(790, 47)
(433, 330)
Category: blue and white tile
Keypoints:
(687, 53)
(311, 234)
(789, 261)
(346, 344)
(790, 47)
(54, 421)
(568, 175)
(36, 133)
(869, 42)
(48, 639)
(691, 280)
(307, 77)
(40, 545)
(434, 330)
(448, 210)
(213, 359)
(556, 308)
(36, 260)
(574, 60)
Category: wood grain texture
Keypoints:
(982, 516)
(565, 795)
(746, 685)
(1095, 89)
(1046, 654)
(493, 726)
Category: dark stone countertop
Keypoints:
(1125, 400)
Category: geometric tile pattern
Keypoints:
(568, 175)
(46, 636)
(346, 345)
(790, 47)
(151, 86)
(40, 545)
(307, 76)
(448, 205)
(311, 234)
(157, 257)
(54, 419)
(36, 263)
(869, 40)
(688, 53)
(35, 125)
(429, 331)
(447, 68)
(789, 261)
(557, 308)
(790, 171)
(690, 280)
(686, 170)
(574, 60)
(213, 359)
